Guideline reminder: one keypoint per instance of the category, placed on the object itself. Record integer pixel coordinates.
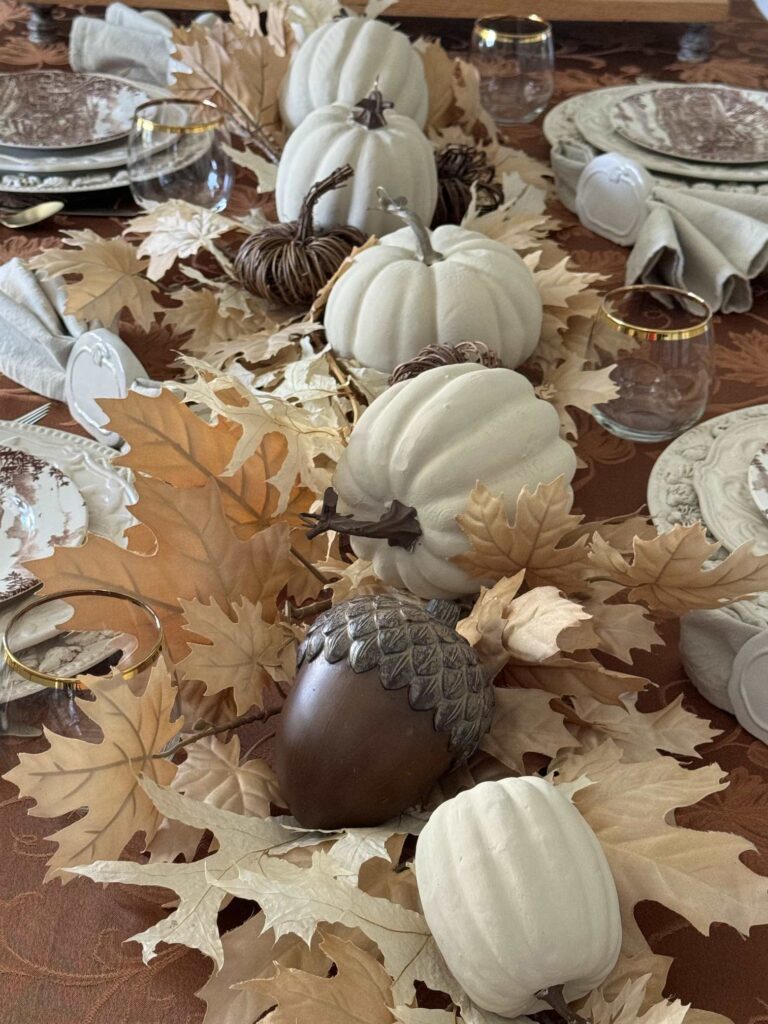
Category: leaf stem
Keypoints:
(309, 567)
(213, 730)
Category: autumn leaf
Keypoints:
(630, 807)
(667, 573)
(417, 1015)
(524, 722)
(438, 72)
(197, 556)
(618, 629)
(534, 543)
(265, 171)
(571, 385)
(626, 1007)
(358, 993)
(243, 651)
(112, 277)
(571, 677)
(520, 221)
(567, 295)
(215, 327)
(103, 777)
(175, 230)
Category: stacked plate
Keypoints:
(712, 133)
(66, 132)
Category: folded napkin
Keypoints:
(569, 157)
(128, 43)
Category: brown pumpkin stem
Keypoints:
(370, 109)
(399, 524)
(304, 225)
(554, 997)
(399, 207)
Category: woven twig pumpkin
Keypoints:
(288, 263)
(458, 168)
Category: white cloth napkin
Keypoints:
(128, 43)
(709, 643)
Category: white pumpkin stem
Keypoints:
(305, 227)
(398, 524)
(554, 997)
(399, 207)
(370, 109)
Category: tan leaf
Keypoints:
(265, 171)
(438, 71)
(103, 777)
(571, 385)
(112, 277)
(566, 677)
(640, 735)
(213, 325)
(524, 722)
(352, 578)
(566, 294)
(619, 628)
(244, 652)
(630, 807)
(197, 556)
(626, 1007)
(667, 573)
(246, 15)
(535, 542)
(519, 222)
(303, 584)
(358, 993)
(415, 1015)
(175, 230)
(251, 952)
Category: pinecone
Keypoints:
(411, 648)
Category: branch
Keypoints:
(235, 723)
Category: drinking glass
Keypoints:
(176, 151)
(515, 59)
(661, 340)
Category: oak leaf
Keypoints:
(618, 629)
(175, 230)
(243, 651)
(630, 807)
(524, 722)
(535, 543)
(626, 1008)
(214, 327)
(667, 573)
(103, 777)
(567, 677)
(112, 277)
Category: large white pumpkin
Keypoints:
(419, 288)
(518, 895)
(384, 149)
(341, 60)
(425, 443)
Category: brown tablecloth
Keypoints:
(61, 957)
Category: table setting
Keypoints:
(384, 523)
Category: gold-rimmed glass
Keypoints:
(515, 59)
(56, 647)
(661, 341)
(176, 150)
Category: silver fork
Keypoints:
(33, 416)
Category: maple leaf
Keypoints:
(570, 677)
(112, 278)
(570, 384)
(630, 808)
(251, 952)
(524, 722)
(175, 230)
(357, 994)
(520, 221)
(627, 1006)
(618, 629)
(667, 573)
(265, 171)
(503, 626)
(534, 543)
(196, 556)
(566, 295)
(103, 777)
(243, 651)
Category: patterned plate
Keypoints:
(39, 507)
(714, 124)
(757, 479)
(54, 110)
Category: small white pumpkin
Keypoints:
(383, 148)
(424, 443)
(340, 62)
(518, 894)
(418, 288)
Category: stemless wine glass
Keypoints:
(661, 342)
(176, 151)
(515, 59)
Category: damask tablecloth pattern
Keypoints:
(61, 957)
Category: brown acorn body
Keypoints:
(386, 700)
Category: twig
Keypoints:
(310, 609)
(309, 567)
(344, 377)
(235, 723)
(262, 739)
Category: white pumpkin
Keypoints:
(342, 59)
(418, 288)
(425, 442)
(383, 148)
(518, 895)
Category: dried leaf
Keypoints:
(566, 294)
(244, 652)
(103, 777)
(519, 222)
(524, 722)
(352, 578)
(626, 1007)
(630, 807)
(415, 1015)
(265, 171)
(214, 325)
(566, 677)
(438, 71)
(112, 278)
(618, 629)
(571, 385)
(667, 573)
(535, 542)
(175, 230)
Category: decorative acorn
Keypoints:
(445, 355)
(289, 263)
(460, 166)
(388, 697)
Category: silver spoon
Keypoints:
(32, 214)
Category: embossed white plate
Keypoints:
(40, 508)
(758, 480)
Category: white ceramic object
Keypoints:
(341, 60)
(758, 480)
(100, 366)
(107, 489)
(722, 485)
(40, 508)
(611, 197)
(748, 686)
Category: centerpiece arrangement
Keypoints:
(364, 532)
